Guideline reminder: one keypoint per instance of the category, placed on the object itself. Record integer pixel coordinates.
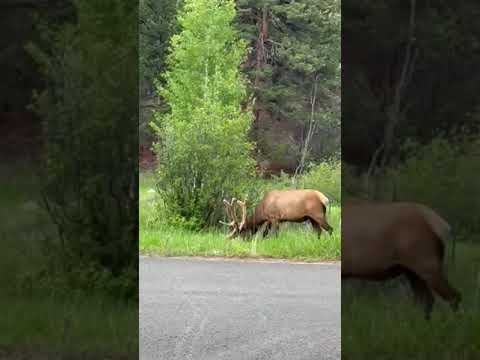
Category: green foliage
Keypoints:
(302, 50)
(325, 177)
(441, 174)
(156, 25)
(89, 108)
(204, 149)
(56, 313)
(294, 241)
(446, 44)
(352, 185)
(56, 328)
(84, 279)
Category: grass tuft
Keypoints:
(36, 323)
(382, 321)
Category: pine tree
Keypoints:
(296, 51)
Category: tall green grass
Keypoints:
(294, 241)
(38, 320)
(94, 325)
(382, 321)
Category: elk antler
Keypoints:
(230, 210)
(243, 206)
(229, 207)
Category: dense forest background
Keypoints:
(410, 105)
(293, 71)
(20, 130)
(438, 91)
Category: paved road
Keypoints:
(214, 310)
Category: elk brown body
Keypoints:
(279, 206)
(381, 241)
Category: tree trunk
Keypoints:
(260, 61)
(395, 109)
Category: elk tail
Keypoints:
(324, 200)
(436, 222)
(439, 226)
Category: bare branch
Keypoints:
(311, 130)
(395, 113)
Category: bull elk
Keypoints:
(381, 241)
(276, 207)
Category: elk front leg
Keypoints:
(274, 225)
(268, 227)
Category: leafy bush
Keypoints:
(353, 185)
(204, 151)
(325, 177)
(89, 111)
(84, 279)
(442, 174)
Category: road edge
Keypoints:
(243, 259)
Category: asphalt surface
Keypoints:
(204, 310)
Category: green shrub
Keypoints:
(325, 177)
(89, 113)
(444, 175)
(204, 148)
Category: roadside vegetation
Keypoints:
(46, 314)
(204, 135)
(160, 236)
(68, 225)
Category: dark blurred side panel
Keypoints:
(68, 179)
(410, 180)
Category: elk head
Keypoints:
(237, 226)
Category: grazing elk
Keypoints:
(381, 241)
(279, 206)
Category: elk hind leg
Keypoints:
(423, 295)
(322, 222)
(440, 284)
(316, 226)
(437, 281)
